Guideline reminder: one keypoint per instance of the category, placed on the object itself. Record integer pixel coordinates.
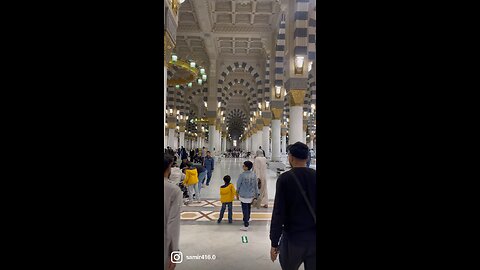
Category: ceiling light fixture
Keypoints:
(299, 60)
(278, 90)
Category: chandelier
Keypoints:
(186, 72)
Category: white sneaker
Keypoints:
(244, 228)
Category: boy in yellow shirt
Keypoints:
(227, 193)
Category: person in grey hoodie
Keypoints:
(247, 191)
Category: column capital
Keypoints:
(182, 126)
(296, 97)
(267, 121)
(171, 122)
(211, 121)
(277, 113)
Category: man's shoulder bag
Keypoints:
(304, 196)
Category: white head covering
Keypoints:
(259, 153)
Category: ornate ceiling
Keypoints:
(218, 33)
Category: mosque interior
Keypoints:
(238, 74)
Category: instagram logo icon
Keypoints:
(176, 257)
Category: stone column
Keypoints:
(175, 141)
(200, 138)
(284, 140)
(171, 137)
(224, 143)
(171, 125)
(276, 115)
(182, 139)
(218, 141)
(266, 140)
(305, 125)
(254, 139)
(267, 119)
(259, 134)
(310, 143)
(251, 140)
(295, 133)
(181, 130)
(211, 138)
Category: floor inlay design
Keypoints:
(213, 216)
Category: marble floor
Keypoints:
(232, 248)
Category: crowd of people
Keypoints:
(293, 222)
(195, 155)
(234, 153)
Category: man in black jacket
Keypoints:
(292, 220)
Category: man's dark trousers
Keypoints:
(209, 175)
(293, 253)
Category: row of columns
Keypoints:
(259, 133)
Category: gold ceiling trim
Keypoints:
(185, 66)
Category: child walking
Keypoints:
(227, 193)
(190, 181)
